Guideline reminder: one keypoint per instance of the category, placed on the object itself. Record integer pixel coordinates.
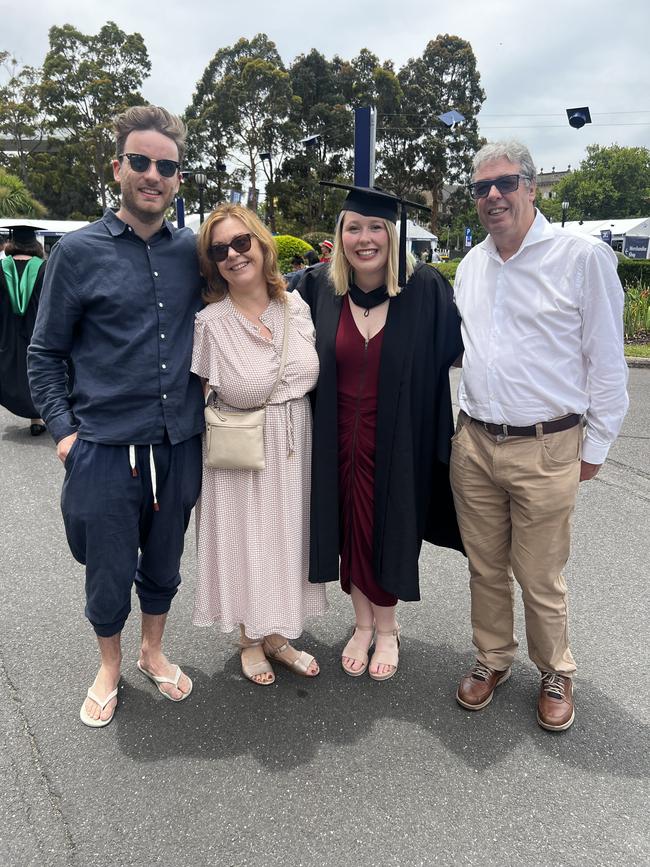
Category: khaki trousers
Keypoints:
(515, 498)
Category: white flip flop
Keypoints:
(173, 680)
(85, 717)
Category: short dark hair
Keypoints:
(144, 117)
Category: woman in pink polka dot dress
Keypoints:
(253, 526)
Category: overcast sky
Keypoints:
(535, 58)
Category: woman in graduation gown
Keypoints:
(21, 280)
(386, 336)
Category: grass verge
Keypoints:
(637, 350)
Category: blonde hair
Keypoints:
(217, 286)
(341, 271)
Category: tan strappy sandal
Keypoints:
(386, 657)
(354, 650)
(299, 665)
(251, 670)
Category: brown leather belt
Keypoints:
(507, 430)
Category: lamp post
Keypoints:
(265, 157)
(565, 211)
(221, 168)
(200, 179)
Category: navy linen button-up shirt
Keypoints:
(118, 312)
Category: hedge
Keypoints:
(631, 272)
(634, 271)
(289, 246)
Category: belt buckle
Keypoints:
(504, 428)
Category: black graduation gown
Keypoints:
(15, 336)
(413, 499)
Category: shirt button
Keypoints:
(164, 366)
(162, 336)
(164, 397)
(160, 304)
(155, 273)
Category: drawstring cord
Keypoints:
(152, 470)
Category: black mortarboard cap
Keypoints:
(372, 202)
(21, 233)
(578, 117)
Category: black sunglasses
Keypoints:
(140, 163)
(240, 244)
(504, 184)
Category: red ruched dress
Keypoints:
(357, 375)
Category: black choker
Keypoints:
(367, 300)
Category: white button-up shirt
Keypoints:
(543, 334)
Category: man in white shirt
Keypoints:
(543, 333)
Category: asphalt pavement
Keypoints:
(331, 771)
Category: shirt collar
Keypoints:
(118, 227)
(540, 230)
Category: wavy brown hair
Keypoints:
(149, 117)
(217, 286)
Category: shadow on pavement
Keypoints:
(284, 725)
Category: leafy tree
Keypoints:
(240, 107)
(444, 78)
(319, 138)
(20, 115)
(15, 198)
(86, 81)
(611, 182)
(61, 180)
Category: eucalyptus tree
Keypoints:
(445, 77)
(21, 119)
(240, 108)
(86, 81)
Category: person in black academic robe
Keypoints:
(16, 327)
(413, 425)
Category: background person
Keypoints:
(326, 248)
(21, 280)
(382, 422)
(543, 333)
(118, 304)
(253, 525)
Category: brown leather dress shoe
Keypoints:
(476, 689)
(555, 711)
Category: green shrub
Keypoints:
(289, 246)
(448, 269)
(314, 238)
(634, 270)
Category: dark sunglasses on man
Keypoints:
(140, 163)
(240, 244)
(504, 184)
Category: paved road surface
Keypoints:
(334, 771)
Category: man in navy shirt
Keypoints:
(109, 367)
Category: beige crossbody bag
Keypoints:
(235, 440)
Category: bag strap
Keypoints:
(283, 359)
